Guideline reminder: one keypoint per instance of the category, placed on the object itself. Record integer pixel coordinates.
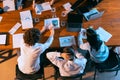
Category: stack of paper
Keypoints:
(54, 21)
(17, 39)
(42, 7)
(8, 5)
(104, 35)
(26, 19)
(67, 6)
(67, 41)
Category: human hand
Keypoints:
(33, 5)
(51, 28)
(43, 29)
(83, 33)
(20, 7)
(64, 13)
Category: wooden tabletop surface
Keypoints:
(110, 21)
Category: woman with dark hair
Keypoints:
(72, 62)
(99, 52)
(31, 49)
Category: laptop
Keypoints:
(74, 22)
(95, 16)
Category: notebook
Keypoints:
(17, 39)
(42, 7)
(74, 22)
(8, 5)
(67, 41)
(55, 22)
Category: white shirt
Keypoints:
(29, 59)
(68, 68)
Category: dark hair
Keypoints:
(1, 10)
(31, 36)
(93, 39)
(69, 51)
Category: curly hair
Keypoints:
(93, 39)
(31, 36)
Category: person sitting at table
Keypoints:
(51, 2)
(97, 49)
(19, 4)
(82, 6)
(70, 63)
(31, 49)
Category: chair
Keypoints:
(40, 74)
(73, 77)
(22, 76)
(111, 64)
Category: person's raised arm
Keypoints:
(51, 30)
(43, 29)
(33, 4)
(76, 4)
(50, 39)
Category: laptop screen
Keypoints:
(74, 22)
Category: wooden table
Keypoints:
(110, 21)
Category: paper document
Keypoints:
(46, 6)
(3, 38)
(104, 35)
(17, 39)
(14, 28)
(8, 5)
(67, 41)
(38, 9)
(54, 21)
(26, 19)
(42, 7)
(67, 6)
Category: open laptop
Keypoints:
(74, 22)
(95, 16)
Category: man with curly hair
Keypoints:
(31, 49)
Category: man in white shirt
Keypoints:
(72, 63)
(31, 49)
